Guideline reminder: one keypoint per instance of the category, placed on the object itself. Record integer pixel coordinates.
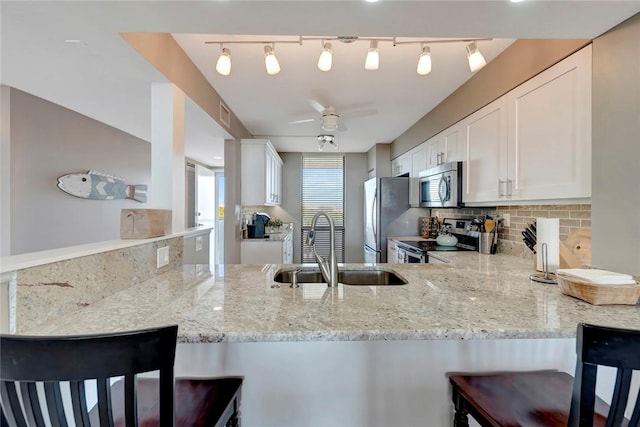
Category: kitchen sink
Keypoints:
(365, 277)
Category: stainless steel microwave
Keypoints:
(441, 186)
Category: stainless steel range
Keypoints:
(468, 236)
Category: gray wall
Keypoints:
(616, 148)
(48, 141)
(355, 175)
(292, 196)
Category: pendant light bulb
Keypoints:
(424, 63)
(476, 60)
(373, 59)
(223, 66)
(326, 57)
(270, 61)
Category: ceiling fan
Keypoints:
(329, 116)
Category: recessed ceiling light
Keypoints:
(516, 1)
(73, 41)
(217, 158)
(371, 1)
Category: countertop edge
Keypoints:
(366, 335)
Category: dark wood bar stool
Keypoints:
(552, 399)
(131, 401)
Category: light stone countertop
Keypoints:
(474, 297)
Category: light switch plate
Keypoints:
(506, 220)
(163, 256)
(198, 243)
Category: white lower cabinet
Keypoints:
(534, 143)
(267, 251)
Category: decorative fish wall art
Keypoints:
(101, 186)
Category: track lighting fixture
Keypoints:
(476, 60)
(326, 57)
(424, 63)
(223, 66)
(325, 60)
(373, 58)
(270, 60)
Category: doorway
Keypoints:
(205, 202)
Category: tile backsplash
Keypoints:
(510, 238)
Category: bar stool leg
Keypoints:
(460, 418)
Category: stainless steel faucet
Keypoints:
(329, 269)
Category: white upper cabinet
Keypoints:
(401, 165)
(486, 153)
(534, 143)
(435, 150)
(411, 162)
(418, 159)
(447, 146)
(454, 140)
(261, 174)
(550, 132)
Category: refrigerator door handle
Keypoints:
(368, 248)
(374, 204)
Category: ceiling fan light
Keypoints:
(476, 60)
(324, 139)
(424, 63)
(372, 62)
(326, 58)
(270, 61)
(330, 122)
(223, 66)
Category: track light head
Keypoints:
(270, 61)
(223, 66)
(476, 60)
(372, 62)
(326, 57)
(424, 63)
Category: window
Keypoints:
(322, 190)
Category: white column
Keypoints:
(167, 189)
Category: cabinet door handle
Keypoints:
(509, 187)
(500, 182)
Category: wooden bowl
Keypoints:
(599, 294)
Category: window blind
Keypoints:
(323, 190)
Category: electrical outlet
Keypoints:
(506, 220)
(163, 256)
(198, 243)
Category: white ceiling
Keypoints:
(104, 78)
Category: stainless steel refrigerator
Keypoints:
(387, 213)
